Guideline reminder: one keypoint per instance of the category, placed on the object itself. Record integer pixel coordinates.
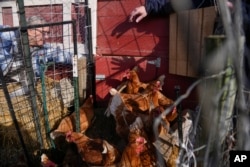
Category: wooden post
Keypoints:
(218, 97)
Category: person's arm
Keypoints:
(165, 7)
(151, 7)
(158, 7)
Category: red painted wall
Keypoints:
(7, 16)
(121, 45)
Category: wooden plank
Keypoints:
(194, 41)
(172, 43)
(209, 15)
(172, 66)
(182, 40)
(187, 32)
(82, 78)
(182, 67)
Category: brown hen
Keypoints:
(139, 152)
(132, 85)
(94, 151)
(68, 123)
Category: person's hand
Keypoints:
(138, 14)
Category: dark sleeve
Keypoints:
(202, 3)
(164, 7)
(158, 7)
(246, 22)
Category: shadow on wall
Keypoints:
(132, 44)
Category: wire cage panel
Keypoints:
(36, 89)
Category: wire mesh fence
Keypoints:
(35, 97)
(37, 90)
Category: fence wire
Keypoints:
(218, 122)
(35, 111)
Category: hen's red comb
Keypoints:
(127, 74)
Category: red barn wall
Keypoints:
(121, 45)
(7, 16)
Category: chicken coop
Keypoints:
(103, 91)
(39, 89)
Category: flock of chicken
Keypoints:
(134, 106)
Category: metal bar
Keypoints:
(43, 68)
(23, 28)
(5, 29)
(75, 79)
(89, 35)
(29, 69)
(46, 25)
(90, 60)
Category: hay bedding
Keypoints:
(10, 146)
